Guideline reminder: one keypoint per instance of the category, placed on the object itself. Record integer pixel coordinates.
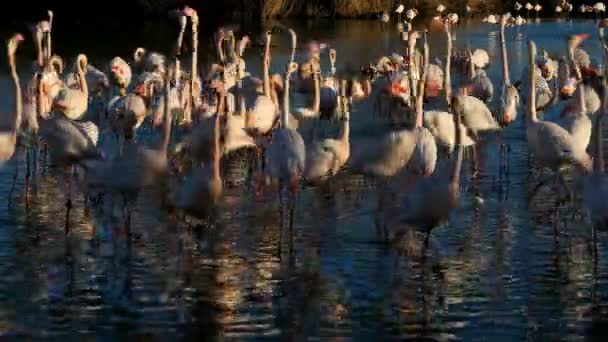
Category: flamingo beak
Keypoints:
(19, 38)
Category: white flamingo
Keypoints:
(595, 185)
(286, 152)
(431, 200)
(9, 124)
(551, 144)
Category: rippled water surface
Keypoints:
(495, 272)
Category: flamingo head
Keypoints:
(568, 88)
(576, 39)
(510, 104)
(13, 43)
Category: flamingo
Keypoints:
(440, 8)
(202, 189)
(263, 114)
(574, 119)
(441, 123)
(491, 19)
(73, 103)
(9, 124)
(537, 8)
(327, 156)
(138, 166)
(148, 61)
(431, 200)
(551, 144)
(390, 154)
(599, 7)
(480, 84)
(595, 184)
(517, 6)
(529, 7)
(286, 152)
(510, 95)
(120, 74)
(399, 11)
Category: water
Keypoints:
(495, 272)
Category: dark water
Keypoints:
(495, 272)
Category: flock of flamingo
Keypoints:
(88, 123)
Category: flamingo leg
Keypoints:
(279, 251)
(475, 161)
(594, 236)
(291, 211)
(68, 206)
(15, 175)
(27, 176)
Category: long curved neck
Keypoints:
(294, 43)
(167, 122)
(316, 98)
(532, 91)
(447, 79)
(39, 53)
(580, 91)
(216, 154)
(18, 104)
(220, 51)
(419, 103)
(345, 134)
(81, 62)
(49, 52)
(505, 60)
(285, 113)
(455, 178)
(194, 69)
(266, 67)
(471, 65)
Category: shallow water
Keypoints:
(495, 272)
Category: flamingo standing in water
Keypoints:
(510, 94)
(287, 152)
(9, 124)
(551, 144)
(201, 190)
(431, 200)
(529, 7)
(595, 186)
(574, 118)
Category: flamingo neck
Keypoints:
(316, 99)
(455, 177)
(48, 46)
(266, 68)
(532, 91)
(471, 65)
(505, 61)
(419, 103)
(194, 71)
(18, 103)
(216, 153)
(285, 113)
(39, 53)
(448, 74)
(220, 52)
(81, 63)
